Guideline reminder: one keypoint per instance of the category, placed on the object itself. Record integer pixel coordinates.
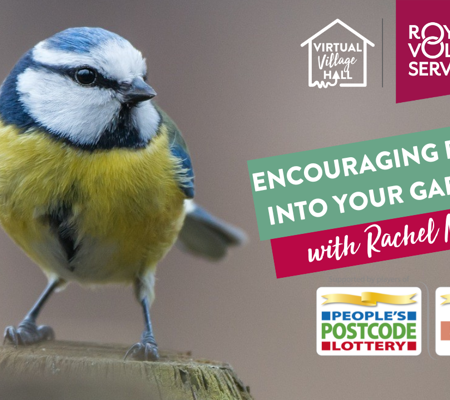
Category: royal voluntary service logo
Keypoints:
(423, 54)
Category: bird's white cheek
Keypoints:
(146, 119)
(80, 114)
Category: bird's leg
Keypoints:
(146, 349)
(28, 332)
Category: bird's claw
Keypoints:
(28, 333)
(143, 352)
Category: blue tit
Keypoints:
(96, 181)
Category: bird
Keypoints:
(96, 180)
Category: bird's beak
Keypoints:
(137, 91)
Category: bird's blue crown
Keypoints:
(81, 40)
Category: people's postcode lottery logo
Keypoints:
(365, 321)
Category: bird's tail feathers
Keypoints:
(205, 235)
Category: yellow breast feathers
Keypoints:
(123, 207)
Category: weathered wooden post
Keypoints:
(69, 370)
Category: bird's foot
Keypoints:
(145, 350)
(28, 333)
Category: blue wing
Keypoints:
(185, 176)
(178, 148)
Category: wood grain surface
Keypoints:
(68, 371)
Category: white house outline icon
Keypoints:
(310, 40)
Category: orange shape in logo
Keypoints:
(445, 330)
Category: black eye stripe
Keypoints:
(101, 81)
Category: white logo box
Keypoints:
(442, 322)
(380, 330)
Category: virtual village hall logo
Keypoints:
(337, 54)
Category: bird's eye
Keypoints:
(85, 76)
